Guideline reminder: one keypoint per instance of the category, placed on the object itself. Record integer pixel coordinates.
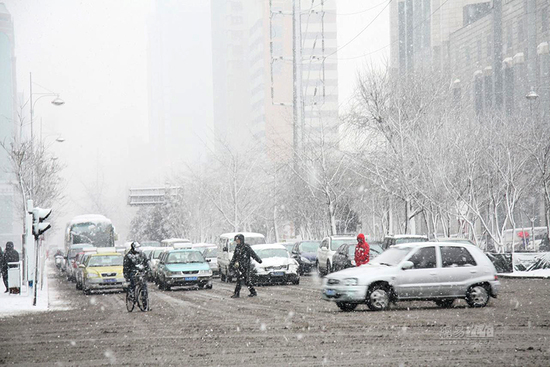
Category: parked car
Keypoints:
(211, 253)
(183, 267)
(305, 253)
(103, 271)
(154, 258)
(79, 269)
(328, 248)
(70, 265)
(345, 255)
(277, 266)
(441, 272)
(226, 246)
(397, 239)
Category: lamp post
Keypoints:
(56, 102)
(532, 97)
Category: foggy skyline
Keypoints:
(94, 53)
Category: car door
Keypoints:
(422, 279)
(458, 266)
(322, 254)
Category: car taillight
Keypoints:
(496, 278)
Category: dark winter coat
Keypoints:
(131, 262)
(362, 251)
(1, 259)
(242, 255)
(10, 255)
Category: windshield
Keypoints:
(99, 234)
(309, 246)
(210, 252)
(289, 247)
(272, 252)
(393, 255)
(409, 240)
(339, 242)
(110, 260)
(185, 257)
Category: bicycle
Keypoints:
(140, 295)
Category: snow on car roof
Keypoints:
(268, 246)
(407, 236)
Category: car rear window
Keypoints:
(339, 242)
(309, 246)
(409, 240)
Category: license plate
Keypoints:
(278, 274)
(191, 278)
(109, 280)
(330, 292)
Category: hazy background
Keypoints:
(95, 54)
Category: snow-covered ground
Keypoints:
(539, 273)
(16, 304)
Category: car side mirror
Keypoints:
(407, 265)
(225, 249)
(208, 260)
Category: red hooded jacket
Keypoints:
(362, 250)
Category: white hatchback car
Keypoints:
(277, 266)
(441, 272)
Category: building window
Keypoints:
(509, 36)
(479, 52)
(544, 19)
(521, 30)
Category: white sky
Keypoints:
(94, 53)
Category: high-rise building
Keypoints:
(179, 78)
(254, 74)
(8, 125)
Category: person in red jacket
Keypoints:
(362, 250)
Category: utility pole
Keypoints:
(297, 100)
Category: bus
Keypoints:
(93, 229)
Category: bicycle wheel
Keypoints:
(142, 300)
(129, 302)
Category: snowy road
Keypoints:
(285, 325)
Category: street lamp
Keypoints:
(56, 102)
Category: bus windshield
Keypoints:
(99, 234)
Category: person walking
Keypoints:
(2, 268)
(362, 250)
(10, 255)
(242, 266)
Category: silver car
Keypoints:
(441, 272)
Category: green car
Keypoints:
(183, 268)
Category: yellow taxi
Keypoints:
(103, 271)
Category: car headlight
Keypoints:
(205, 272)
(92, 275)
(350, 281)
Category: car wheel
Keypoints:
(296, 281)
(378, 297)
(87, 291)
(346, 306)
(477, 296)
(209, 286)
(78, 286)
(445, 303)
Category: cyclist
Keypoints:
(135, 261)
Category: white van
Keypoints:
(170, 242)
(226, 246)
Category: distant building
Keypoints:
(253, 72)
(494, 52)
(180, 107)
(9, 230)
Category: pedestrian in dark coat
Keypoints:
(2, 267)
(362, 250)
(242, 266)
(10, 255)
